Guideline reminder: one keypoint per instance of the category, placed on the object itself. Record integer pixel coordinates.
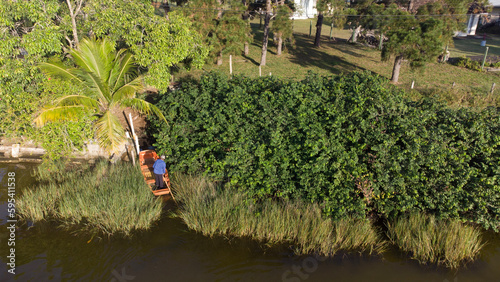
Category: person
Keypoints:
(159, 169)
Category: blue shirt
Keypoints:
(159, 167)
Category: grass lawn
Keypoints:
(334, 57)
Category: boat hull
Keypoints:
(146, 159)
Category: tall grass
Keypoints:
(430, 240)
(107, 198)
(214, 210)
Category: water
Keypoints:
(170, 252)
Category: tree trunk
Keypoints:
(219, 59)
(73, 12)
(246, 16)
(219, 13)
(280, 43)
(396, 68)
(319, 24)
(355, 33)
(266, 33)
(246, 50)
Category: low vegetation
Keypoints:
(215, 210)
(105, 199)
(429, 240)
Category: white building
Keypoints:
(306, 9)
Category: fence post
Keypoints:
(412, 84)
(331, 30)
(260, 70)
(230, 64)
(484, 59)
(310, 28)
(492, 88)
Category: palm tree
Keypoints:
(109, 80)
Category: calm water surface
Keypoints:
(170, 252)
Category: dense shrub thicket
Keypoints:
(351, 142)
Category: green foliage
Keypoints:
(418, 42)
(108, 81)
(282, 24)
(157, 43)
(454, 18)
(350, 142)
(61, 139)
(31, 31)
(224, 32)
(466, 62)
(27, 34)
(106, 199)
(232, 30)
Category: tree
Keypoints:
(265, 38)
(422, 39)
(75, 8)
(232, 31)
(328, 8)
(224, 32)
(282, 26)
(158, 44)
(109, 80)
(413, 40)
(379, 17)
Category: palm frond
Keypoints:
(95, 84)
(60, 70)
(127, 91)
(95, 56)
(123, 70)
(109, 132)
(57, 113)
(75, 100)
(143, 107)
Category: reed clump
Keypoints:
(213, 210)
(110, 199)
(449, 242)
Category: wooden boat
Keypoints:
(146, 159)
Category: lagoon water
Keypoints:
(171, 252)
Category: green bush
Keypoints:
(351, 142)
(468, 63)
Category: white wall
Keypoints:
(306, 9)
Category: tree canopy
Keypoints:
(32, 31)
(109, 81)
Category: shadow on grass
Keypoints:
(472, 46)
(251, 60)
(306, 55)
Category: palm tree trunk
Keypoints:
(396, 68)
(319, 24)
(266, 33)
